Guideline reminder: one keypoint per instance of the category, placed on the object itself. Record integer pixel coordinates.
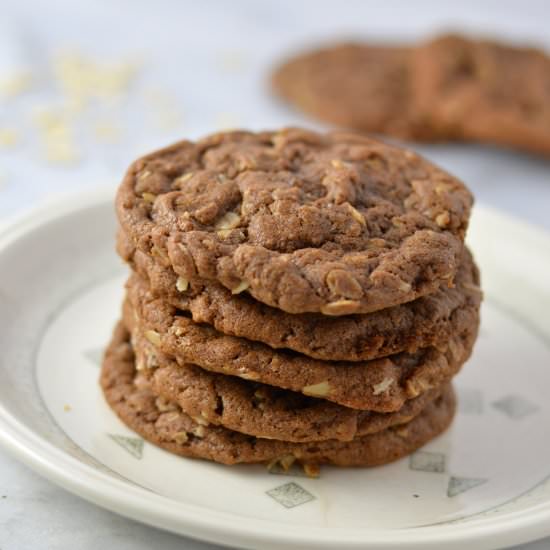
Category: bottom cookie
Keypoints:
(178, 433)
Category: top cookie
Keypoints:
(351, 85)
(334, 223)
(482, 90)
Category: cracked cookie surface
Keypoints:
(427, 321)
(333, 223)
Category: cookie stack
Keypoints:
(445, 89)
(294, 296)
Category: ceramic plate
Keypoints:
(486, 482)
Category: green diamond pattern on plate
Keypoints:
(458, 485)
(133, 445)
(515, 407)
(423, 461)
(290, 495)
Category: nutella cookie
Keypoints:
(483, 91)
(260, 410)
(333, 223)
(428, 321)
(135, 403)
(359, 86)
(381, 385)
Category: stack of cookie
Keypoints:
(447, 88)
(294, 297)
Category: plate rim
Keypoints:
(224, 527)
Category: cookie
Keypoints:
(135, 404)
(333, 223)
(427, 321)
(260, 410)
(381, 385)
(483, 91)
(359, 86)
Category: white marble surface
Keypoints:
(202, 66)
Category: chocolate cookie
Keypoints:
(428, 321)
(260, 410)
(484, 91)
(351, 85)
(305, 222)
(381, 385)
(177, 432)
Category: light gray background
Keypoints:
(210, 59)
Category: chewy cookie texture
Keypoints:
(294, 296)
(382, 384)
(169, 427)
(304, 222)
(448, 88)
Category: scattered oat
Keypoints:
(140, 365)
(107, 132)
(472, 287)
(182, 284)
(322, 389)
(403, 286)
(199, 431)
(67, 408)
(201, 420)
(356, 215)
(382, 386)
(163, 405)
(416, 387)
(312, 470)
(148, 197)
(45, 117)
(249, 376)
(159, 253)
(8, 137)
(285, 462)
(241, 287)
(61, 152)
(180, 437)
(443, 219)
(141, 176)
(15, 84)
(457, 351)
(402, 431)
(258, 399)
(153, 336)
(340, 307)
(81, 79)
(229, 220)
(224, 233)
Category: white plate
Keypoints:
(486, 482)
